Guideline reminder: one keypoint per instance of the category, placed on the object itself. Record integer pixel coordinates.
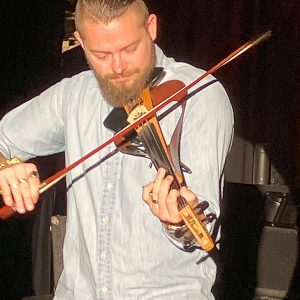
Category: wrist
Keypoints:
(179, 234)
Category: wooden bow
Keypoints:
(6, 212)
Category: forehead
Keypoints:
(118, 32)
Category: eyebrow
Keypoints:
(127, 46)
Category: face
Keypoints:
(121, 53)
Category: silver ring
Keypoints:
(34, 174)
(151, 198)
(14, 185)
(13, 206)
(22, 180)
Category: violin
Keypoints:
(149, 142)
(142, 120)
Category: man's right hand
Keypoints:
(19, 184)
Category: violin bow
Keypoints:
(6, 211)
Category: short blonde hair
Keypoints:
(107, 10)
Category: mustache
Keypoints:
(123, 74)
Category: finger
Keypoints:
(147, 192)
(23, 186)
(12, 181)
(164, 188)
(149, 199)
(153, 204)
(189, 196)
(17, 195)
(157, 182)
(163, 194)
(172, 205)
(5, 191)
(34, 182)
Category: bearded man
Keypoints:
(116, 245)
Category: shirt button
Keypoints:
(109, 186)
(103, 255)
(104, 290)
(105, 220)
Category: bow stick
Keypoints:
(6, 211)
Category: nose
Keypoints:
(119, 65)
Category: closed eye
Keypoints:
(101, 56)
(131, 49)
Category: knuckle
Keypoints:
(17, 167)
(191, 199)
(23, 183)
(169, 178)
(8, 172)
(31, 166)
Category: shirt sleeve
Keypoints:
(206, 138)
(35, 128)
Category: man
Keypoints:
(114, 247)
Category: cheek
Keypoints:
(100, 68)
(141, 58)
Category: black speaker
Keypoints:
(259, 244)
(276, 262)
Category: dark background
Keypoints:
(263, 86)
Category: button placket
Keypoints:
(104, 235)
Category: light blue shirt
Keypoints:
(114, 247)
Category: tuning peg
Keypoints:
(211, 217)
(202, 206)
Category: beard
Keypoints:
(118, 94)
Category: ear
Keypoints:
(152, 26)
(79, 39)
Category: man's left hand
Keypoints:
(162, 199)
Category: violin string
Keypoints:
(149, 135)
